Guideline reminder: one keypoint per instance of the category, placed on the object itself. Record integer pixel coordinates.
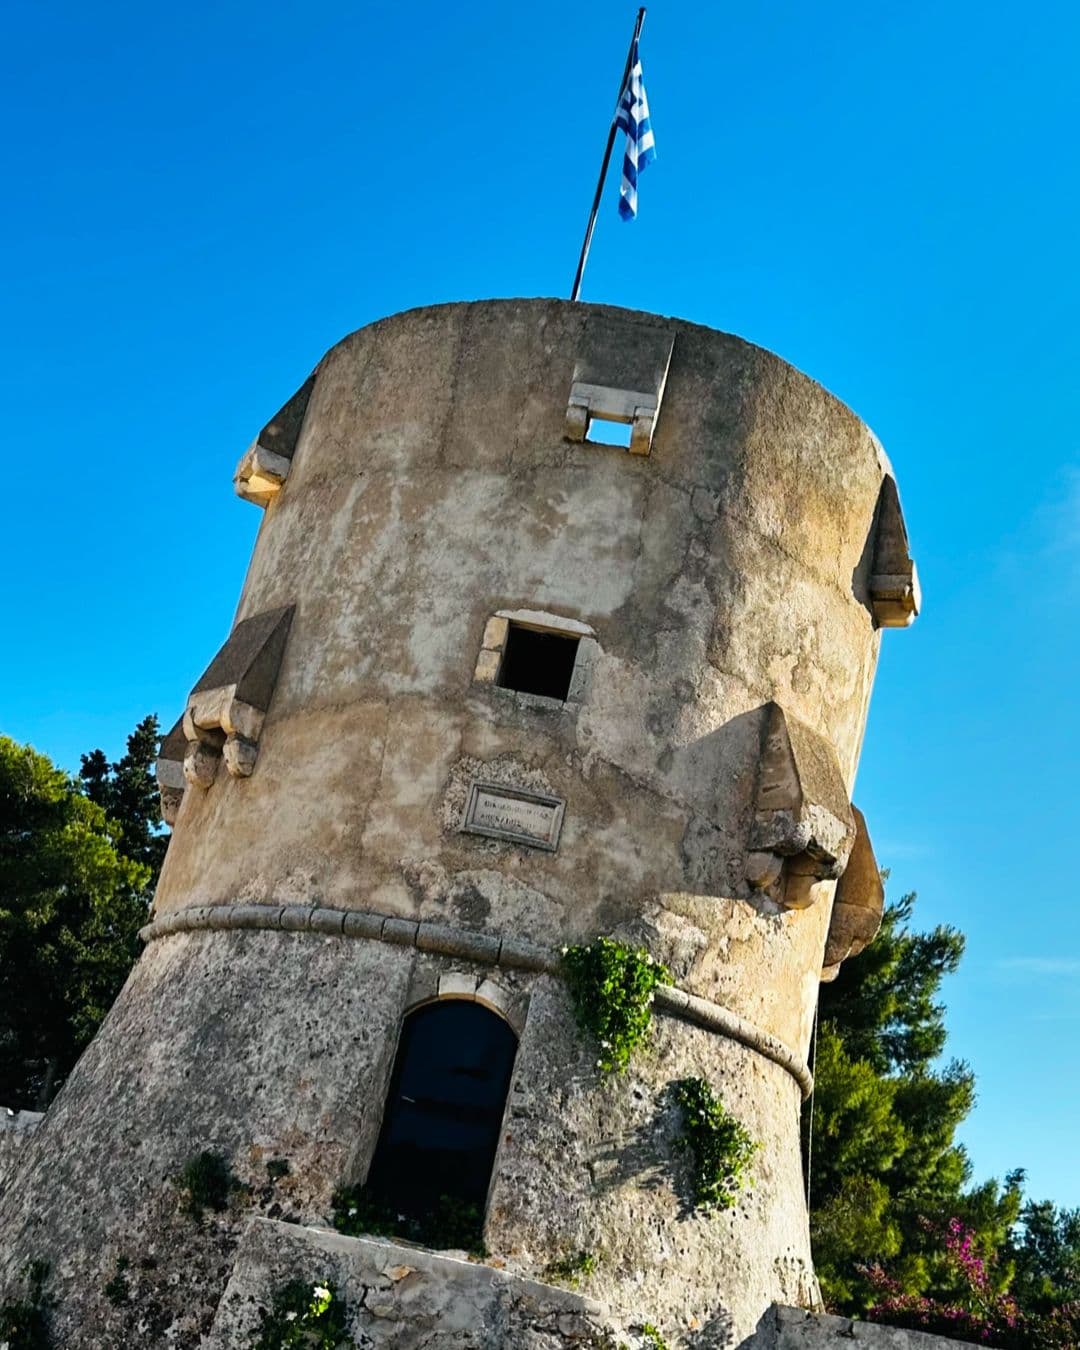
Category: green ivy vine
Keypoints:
(613, 987)
(652, 1338)
(571, 1269)
(720, 1148)
(303, 1314)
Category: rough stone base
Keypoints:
(16, 1130)
(403, 1298)
(793, 1329)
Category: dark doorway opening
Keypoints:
(538, 662)
(441, 1127)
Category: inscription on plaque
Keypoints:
(500, 812)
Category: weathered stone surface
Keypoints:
(801, 811)
(858, 904)
(169, 771)
(895, 597)
(257, 1045)
(795, 1329)
(402, 1298)
(431, 487)
(265, 466)
(16, 1131)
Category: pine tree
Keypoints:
(128, 794)
(79, 859)
(887, 1173)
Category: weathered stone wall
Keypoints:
(432, 487)
(402, 1298)
(795, 1329)
(16, 1132)
(277, 1045)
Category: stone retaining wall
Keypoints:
(402, 1297)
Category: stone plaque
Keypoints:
(523, 817)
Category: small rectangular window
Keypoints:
(538, 662)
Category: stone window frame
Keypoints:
(493, 646)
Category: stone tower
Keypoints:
(495, 687)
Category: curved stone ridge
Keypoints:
(446, 940)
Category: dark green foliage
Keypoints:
(571, 1270)
(206, 1183)
(451, 1224)
(277, 1168)
(887, 1174)
(24, 1323)
(1045, 1251)
(612, 986)
(303, 1314)
(127, 792)
(720, 1148)
(886, 999)
(71, 905)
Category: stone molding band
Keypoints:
(488, 948)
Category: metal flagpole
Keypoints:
(575, 294)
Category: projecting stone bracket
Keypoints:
(225, 712)
(895, 596)
(857, 905)
(265, 465)
(803, 828)
(169, 772)
(620, 378)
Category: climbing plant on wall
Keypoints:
(720, 1149)
(613, 987)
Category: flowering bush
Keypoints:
(303, 1315)
(613, 987)
(978, 1313)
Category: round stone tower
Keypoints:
(499, 684)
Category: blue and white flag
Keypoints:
(632, 116)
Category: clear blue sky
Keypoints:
(200, 199)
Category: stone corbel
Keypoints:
(265, 465)
(169, 772)
(857, 906)
(803, 827)
(895, 597)
(224, 716)
(620, 378)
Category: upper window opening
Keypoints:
(604, 432)
(538, 662)
(442, 1121)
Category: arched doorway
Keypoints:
(432, 1165)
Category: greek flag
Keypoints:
(632, 116)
